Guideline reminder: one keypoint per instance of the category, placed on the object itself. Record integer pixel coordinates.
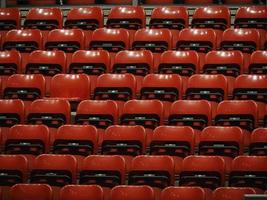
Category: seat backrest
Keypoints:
(81, 192)
(208, 87)
(9, 19)
(14, 169)
(228, 63)
(251, 17)
(44, 18)
(76, 140)
(185, 63)
(130, 192)
(124, 140)
(200, 40)
(67, 40)
(183, 193)
(242, 113)
(48, 63)
(26, 87)
(119, 87)
(171, 17)
(258, 141)
(55, 170)
(112, 40)
(194, 113)
(27, 139)
(31, 192)
(75, 87)
(253, 167)
(227, 193)
(221, 141)
(245, 40)
(10, 63)
(128, 17)
(204, 171)
(106, 171)
(139, 63)
(173, 141)
(155, 40)
(86, 18)
(215, 17)
(90, 62)
(155, 171)
(258, 61)
(50, 112)
(148, 113)
(164, 87)
(24, 41)
(99, 113)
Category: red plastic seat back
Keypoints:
(258, 142)
(31, 192)
(63, 168)
(183, 193)
(227, 193)
(202, 170)
(87, 18)
(81, 192)
(258, 61)
(159, 168)
(10, 19)
(129, 192)
(106, 171)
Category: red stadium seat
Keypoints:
(139, 63)
(50, 112)
(119, 2)
(258, 61)
(228, 63)
(127, 141)
(131, 18)
(31, 192)
(183, 193)
(228, 193)
(47, 63)
(42, 2)
(11, 113)
(10, 63)
(105, 171)
(238, 113)
(55, 170)
(158, 1)
(92, 63)
(164, 87)
(147, 113)
(79, 141)
(213, 88)
(72, 87)
(238, 2)
(13, 170)
(205, 171)
(155, 171)
(171, 17)
(222, 141)
(155, 40)
(249, 171)
(200, 2)
(25, 87)
(9, 19)
(194, 113)
(80, 2)
(252, 17)
(174, 141)
(216, 17)
(258, 142)
(112, 40)
(29, 140)
(118, 87)
(67, 40)
(81, 192)
(252, 87)
(86, 18)
(129, 192)
(44, 19)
